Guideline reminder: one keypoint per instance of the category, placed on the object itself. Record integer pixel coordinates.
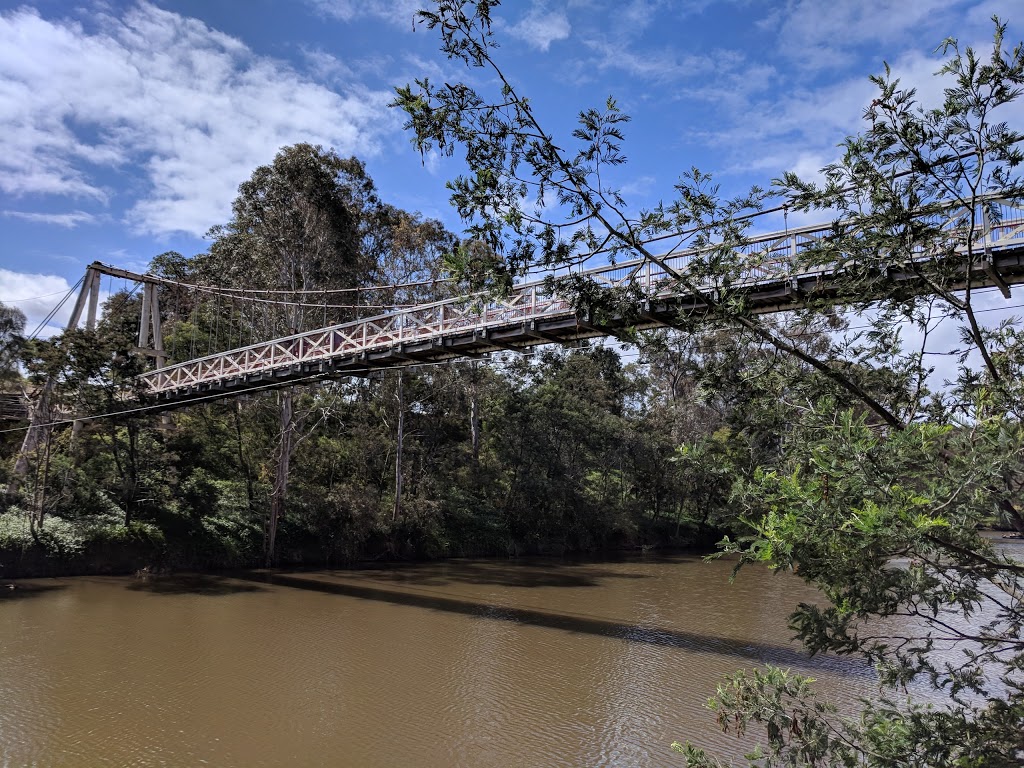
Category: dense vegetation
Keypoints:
(819, 440)
(564, 450)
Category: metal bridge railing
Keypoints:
(763, 258)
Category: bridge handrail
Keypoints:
(527, 300)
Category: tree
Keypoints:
(887, 524)
(878, 488)
(900, 182)
(12, 328)
(298, 226)
(887, 531)
(311, 229)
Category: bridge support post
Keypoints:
(150, 325)
(144, 320)
(158, 334)
(91, 286)
(988, 266)
(92, 282)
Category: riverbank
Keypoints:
(107, 547)
(113, 549)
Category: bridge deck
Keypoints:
(469, 326)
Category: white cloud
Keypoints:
(539, 28)
(991, 309)
(36, 296)
(799, 128)
(639, 186)
(651, 65)
(820, 35)
(66, 220)
(396, 11)
(637, 15)
(195, 108)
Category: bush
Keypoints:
(59, 538)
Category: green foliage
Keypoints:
(845, 467)
(15, 531)
(12, 329)
(512, 160)
(797, 725)
(113, 531)
(64, 540)
(887, 527)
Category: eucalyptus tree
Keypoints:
(12, 341)
(409, 272)
(887, 525)
(12, 350)
(12, 329)
(881, 486)
(299, 225)
(312, 239)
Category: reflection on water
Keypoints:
(474, 663)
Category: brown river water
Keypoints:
(461, 663)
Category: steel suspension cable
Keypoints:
(50, 315)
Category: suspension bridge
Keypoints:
(769, 280)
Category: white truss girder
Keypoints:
(765, 258)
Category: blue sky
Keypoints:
(126, 127)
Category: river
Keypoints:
(461, 663)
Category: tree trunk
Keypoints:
(400, 396)
(1013, 517)
(474, 415)
(250, 490)
(38, 513)
(130, 482)
(284, 456)
(40, 415)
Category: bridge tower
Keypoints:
(150, 344)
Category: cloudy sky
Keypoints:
(126, 127)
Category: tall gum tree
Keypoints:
(306, 225)
(299, 225)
